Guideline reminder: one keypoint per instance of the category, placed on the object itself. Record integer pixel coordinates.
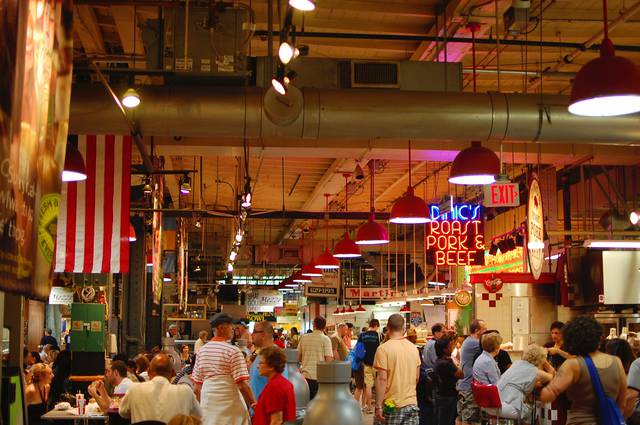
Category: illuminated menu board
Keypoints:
(456, 237)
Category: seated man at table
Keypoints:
(155, 400)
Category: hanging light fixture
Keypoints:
(346, 248)
(372, 232)
(146, 189)
(197, 269)
(246, 196)
(608, 85)
(131, 98)
(360, 309)
(303, 5)
(326, 261)
(185, 185)
(286, 52)
(475, 165)
(410, 209)
(74, 169)
(309, 269)
(349, 310)
(132, 233)
(405, 309)
(298, 278)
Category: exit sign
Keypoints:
(502, 195)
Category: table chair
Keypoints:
(487, 398)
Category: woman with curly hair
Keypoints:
(581, 339)
(520, 379)
(37, 393)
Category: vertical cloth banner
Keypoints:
(93, 224)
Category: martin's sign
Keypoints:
(369, 293)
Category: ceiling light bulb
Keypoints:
(303, 5)
(198, 224)
(233, 255)
(279, 86)
(197, 269)
(286, 52)
(239, 236)
(147, 186)
(634, 217)
(131, 99)
(229, 267)
(246, 200)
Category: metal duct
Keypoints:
(210, 112)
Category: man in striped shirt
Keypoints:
(219, 373)
(313, 348)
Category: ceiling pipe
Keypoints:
(210, 112)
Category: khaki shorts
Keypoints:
(369, 376)
(468, 410)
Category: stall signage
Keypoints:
(456, 238)
(290, 309)
(260, 317)
(502, 195)
(503, 262)
(535, 229)
(325, 286)
(61, 296)
(369, 293)
(263, 301)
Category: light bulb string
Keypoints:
(373, 186)
(605, 18)
(326, 220)
(346, 202)
(410, 186)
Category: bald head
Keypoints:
(161, 365)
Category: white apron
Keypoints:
(222, 403)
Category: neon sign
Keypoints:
(456, 237)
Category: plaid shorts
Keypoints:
(407, 415)
(468, 410)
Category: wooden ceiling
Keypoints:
(109, 32)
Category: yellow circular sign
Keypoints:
(462, 298)
(47, 224)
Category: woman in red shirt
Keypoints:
(277, 402)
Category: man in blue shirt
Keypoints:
(467, 409)
(262, 338)
(429, 356)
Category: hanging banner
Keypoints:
(156, 248)
(354, 293)
(263, 301)
(502, 262)
(325, 286)
(456, 237)
(35, 64)
(535, 228)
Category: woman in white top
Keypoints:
(520, 379)
(220, 376)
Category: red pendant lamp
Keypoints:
(475, 165)
(410, 209)
(405, 309)
(326, 261)
(372, 232)
(346, 248)
(132, 233)
(74, 167)
(298, 278)
(608, 85)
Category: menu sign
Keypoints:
(264, 300)
(35, 65)
(535, 229)
(456, 237)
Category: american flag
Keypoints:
(93, 222)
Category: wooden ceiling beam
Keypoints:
(127, 29)
(88, 31)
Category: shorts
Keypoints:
(468, 410)
(407, 415)
(369, 376)
(358, 376)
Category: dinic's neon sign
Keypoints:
(456, 237)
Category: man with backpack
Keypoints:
(365, 350)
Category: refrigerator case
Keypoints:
(87, 339)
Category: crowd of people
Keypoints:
(239, 377)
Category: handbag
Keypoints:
(608, 411)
